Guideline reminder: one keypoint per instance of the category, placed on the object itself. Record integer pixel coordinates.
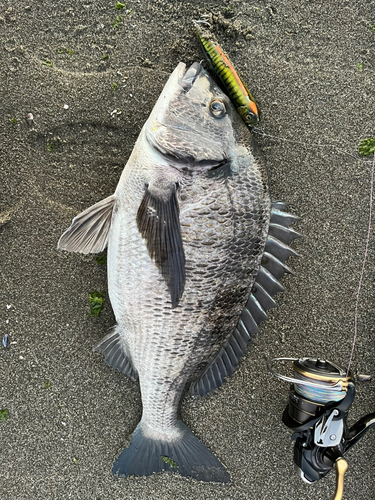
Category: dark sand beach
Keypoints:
(310, 66)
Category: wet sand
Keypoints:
(310, 67)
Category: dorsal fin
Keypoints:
(282, 233)
(261, 299)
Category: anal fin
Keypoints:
(114, 353)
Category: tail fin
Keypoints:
(185, 455)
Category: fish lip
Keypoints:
(181, 70)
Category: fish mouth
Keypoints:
(190, 76)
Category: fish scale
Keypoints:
(195, 249)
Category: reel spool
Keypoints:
(327, 383)
(319, 399)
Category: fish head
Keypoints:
(193, 122)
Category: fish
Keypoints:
(195, 249)
(230, 81)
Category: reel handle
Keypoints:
(341, 466)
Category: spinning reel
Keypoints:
(319, 399)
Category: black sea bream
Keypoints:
(195, 249)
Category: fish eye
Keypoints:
(217, 108)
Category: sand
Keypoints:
(310, 67)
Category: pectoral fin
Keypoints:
(158, 223)
(88, 232)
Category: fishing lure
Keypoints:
(228, 77)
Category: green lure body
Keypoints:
(230, 81)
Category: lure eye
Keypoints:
(252, 118)
(217, 108)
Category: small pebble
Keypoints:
(66, 106)
(5, 340)
(29, 118)
(363, 378)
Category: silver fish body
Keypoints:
(187, 230)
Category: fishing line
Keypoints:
(259, 131)
(321, 392)
(363, 266)
(321, 389)
(324, 392)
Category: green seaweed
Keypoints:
(4, 414)
(13, 120)
(106, 56)
(101, 259)
(360, 66)
(169, 461)
(367, 146)
(120, 5)
(117, 22)
(114, 86)
(96, 300)
(75, 461)
(47, 384)
(373, 27)
(51, 146)
(47, 62)
(64, 50)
